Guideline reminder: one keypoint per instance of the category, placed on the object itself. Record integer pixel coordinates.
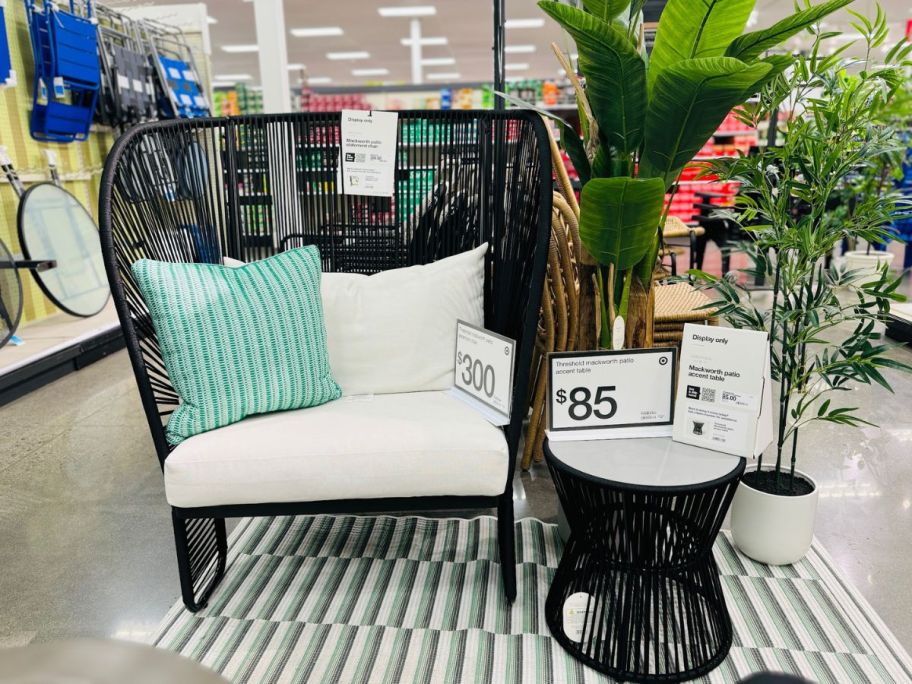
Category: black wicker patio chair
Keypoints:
(249, 187)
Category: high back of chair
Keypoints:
(249, 187)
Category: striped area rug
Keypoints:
(385, 599)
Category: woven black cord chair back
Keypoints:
(249, 187)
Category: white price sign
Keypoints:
(368, 153)
(484, 371)
(611, 394)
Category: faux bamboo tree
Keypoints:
(643, 118)
(823, 323)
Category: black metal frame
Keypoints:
(140, 216)
(643, 554)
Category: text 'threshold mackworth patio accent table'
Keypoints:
(637, 593)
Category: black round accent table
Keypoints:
(637, 594)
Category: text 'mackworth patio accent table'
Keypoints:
(646, 602)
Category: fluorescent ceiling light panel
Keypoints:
(232, 77)
(438, 61)
(444, 76)
(241, 48)
(417, 11)
(370, 72)
(319, 80)
(517, 66)
(295, 66)
(433, 40)
(316, 31)
(336, 56)
(222, 84)
(519, 49)
(524, 23)
(211, 20)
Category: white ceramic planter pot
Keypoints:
(868, 263)
(773, 529)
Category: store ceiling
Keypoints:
(466, 24)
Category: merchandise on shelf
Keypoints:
(333, 103)
(67, 71)
(7, 74)
(128, 94)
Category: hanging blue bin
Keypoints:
(67, 72)
(7, 75)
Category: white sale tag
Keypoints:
(576, 612)
(484, 371)
(368, 162)
(611, 394)
(724, 393)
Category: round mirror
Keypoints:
(10, 295)
(54, 225)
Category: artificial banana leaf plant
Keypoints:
(644, 118)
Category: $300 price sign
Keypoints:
(484, 367)
(611, 394)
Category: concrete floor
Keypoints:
(85, 533)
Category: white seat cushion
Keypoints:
(359, 447)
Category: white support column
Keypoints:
(270, 30)
(415, 45)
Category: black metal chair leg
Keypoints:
(202, 550)
(507, 545)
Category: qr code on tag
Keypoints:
(707, 394)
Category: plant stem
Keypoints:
(772, 334)
(605, 332)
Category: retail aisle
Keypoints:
(85, 534)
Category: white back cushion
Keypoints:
(396, 331)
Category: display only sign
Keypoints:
(368, 149)
(484, 371)
(611, 394)
(724, 399)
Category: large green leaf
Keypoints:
(752, 45)
(573, 146)
(689, 101)
(619, 217)
(693, 29)
(615, 75)
(606, 10)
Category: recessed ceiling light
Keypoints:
(232, 77)
(319, 80)
(438, 61)
(295, 66)
(316, 31)
(370, 72)
(417, 11)
(211, 20)
(519, 49)
(222, 84)
(335, 56)
(524, 23)
(516, 66)
(241, 48)
(444, 76)
(434, 40)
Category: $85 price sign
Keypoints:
(484, 370)
(600, 395)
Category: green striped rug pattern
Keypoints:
(387, 599)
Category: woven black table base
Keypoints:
(650, 605)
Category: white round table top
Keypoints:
(650, 462)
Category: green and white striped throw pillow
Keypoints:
(239, 341)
